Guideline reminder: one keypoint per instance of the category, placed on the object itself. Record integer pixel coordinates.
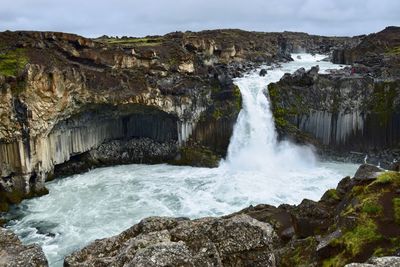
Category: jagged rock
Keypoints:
(263, 72)
(324, 246)
(310, 217)
(378, 262)
(278, 217)
(236, 241)
(367, 172)
(14, 254)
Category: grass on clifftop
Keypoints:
(146, 41)
(12, 62)
(395, 51)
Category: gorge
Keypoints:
(175, 99)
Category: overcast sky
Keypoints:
(145, 17)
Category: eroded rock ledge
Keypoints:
(358, 220)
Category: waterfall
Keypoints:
(254, 144)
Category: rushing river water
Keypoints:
(258, 169)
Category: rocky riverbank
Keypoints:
(14, 254)
(352, 223)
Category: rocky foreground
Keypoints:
(359, 221)
(14, 254)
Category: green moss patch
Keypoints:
(12, 62)
(197, 156)
(394, 51)
(301, 253)
(388, 178)
(383, 100)
(396, 209)
(371, 207)
(146, 41)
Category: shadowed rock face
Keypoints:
(14, 254)
(65, 98)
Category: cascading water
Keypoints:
(258, 169)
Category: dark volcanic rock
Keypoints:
(235, 241)
(263, 72)
(367, 172)
(14, 254)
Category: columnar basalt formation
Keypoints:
(351, 110)
(63, 96)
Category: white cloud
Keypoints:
(142, 17)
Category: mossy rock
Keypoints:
(12, 62)
(375, 209)
(197, 156)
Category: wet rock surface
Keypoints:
(14, 254)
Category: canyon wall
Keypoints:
(70, 103)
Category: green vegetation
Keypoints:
(197, 156)
(353, 241)
(147, 41)
(332, 194)
(387, 178)
(300, 254)
(396, 209)
(395, 51)
(12, 62)
(238, 97)
(383, 100)
(371, 207)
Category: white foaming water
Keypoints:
(258, 169)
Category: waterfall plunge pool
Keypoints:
(258, 169)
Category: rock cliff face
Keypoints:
(69, 103)
(357, 220)
(353, 110)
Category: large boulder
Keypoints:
(236, 241)
(14, 254)
(378, 262)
